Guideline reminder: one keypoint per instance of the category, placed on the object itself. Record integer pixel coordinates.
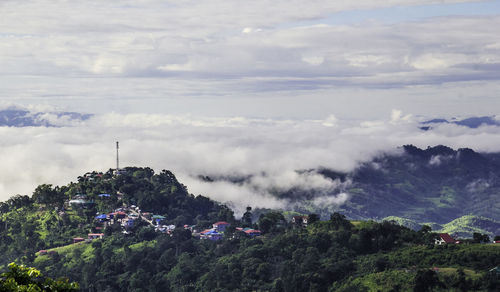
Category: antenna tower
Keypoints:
(117, 157)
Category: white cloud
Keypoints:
(245, 58)
(207, 39)
(268, 151)
(326, 201)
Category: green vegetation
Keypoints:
(21, 278)
(463, 227)
(330, 255)
(412, 224)
(467, 225)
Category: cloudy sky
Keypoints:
(241, 86)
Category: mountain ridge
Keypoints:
(437, 184)
(15, 117)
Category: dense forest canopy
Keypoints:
(272, 253)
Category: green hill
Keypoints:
(412, 224)
(465, 226)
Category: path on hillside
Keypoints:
(142, 217)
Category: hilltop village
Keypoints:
(127, 217)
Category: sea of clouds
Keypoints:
(269, 151)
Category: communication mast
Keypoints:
(117, 157)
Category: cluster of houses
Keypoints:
(218, 229)
(120, 215)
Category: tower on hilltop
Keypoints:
(117, 157)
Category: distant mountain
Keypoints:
(465, 226)
(462, 227)
(437, 184)
(473, 122)
(24, 118)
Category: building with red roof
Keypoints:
(445, 238)
(78, 239)
(253, 232)
(221, 226)
(300, 220)
(210, 234)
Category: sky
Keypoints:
(241, 86)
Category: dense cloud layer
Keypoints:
(252, 58)
(254, 41)
(270, 151)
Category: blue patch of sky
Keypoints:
(398, 14)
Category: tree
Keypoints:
(426, 281)
(426, 234)
(339, 221)
(478, 237)
(312, 218)
(45, 194)
(19, 201)
(273, 222)
(21, 278)
(425, 229)
(247, 217)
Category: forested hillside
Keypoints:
(46, 219)
(135, 230)
(437, 184)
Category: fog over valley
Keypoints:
(273, 153)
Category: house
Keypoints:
(92, 236)
(42, 252)
(253, 232)
(77, 202)
(81, 201)
(120, 214)
(158, 218)
(300, 220)
(102, 217)
(189, 227)
(220, 226)
(210, 234)
(444, 238)
(128, 223)
(78, 239)
(495, 270)
(165, 228)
